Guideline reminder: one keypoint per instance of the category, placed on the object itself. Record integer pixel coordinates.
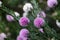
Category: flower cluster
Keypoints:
(23, 34)
(24, 21)
(39, 21)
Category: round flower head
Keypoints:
(27, 7)
(38, 22)
(9, 18)
(41, 14)
(52, 3)
(24, 33)
(24, 21)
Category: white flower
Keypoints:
(0, 4)
(2, 36)
(25, 14)
(17, 14)
(57, 23)
(27, 7)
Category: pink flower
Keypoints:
(24, 21)
(38, 22)
(41, 30)
(24, 33)
(21, 38)
(2, 36)
(52, 3)
(41, 14)
(9, 18)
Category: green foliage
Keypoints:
(14, 27)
